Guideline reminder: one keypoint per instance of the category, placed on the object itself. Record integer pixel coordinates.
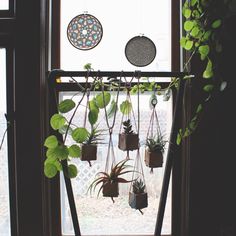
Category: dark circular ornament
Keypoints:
(140, 51)
(84, 32)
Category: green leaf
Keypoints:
(125, 107)
(216, 24)
(51, 142)
(195, 31)
(88, 66)
(204, 51)
(57, 121)
(187, 13)
(188, 25)
(74, 151)
(66, 105)
(93, 116)
(93, 105)
(208, 88)
(103, 102)
(206, 35)
(207, 74)
(80, 134)
(183, 42)
(60, 152)
(179, 137)
(50, 170)
(199, 108)
(63, 129)
(193, 2)
(189, 45)
(72, 171)
(196, 14)
(112, 108)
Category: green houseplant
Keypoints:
(138, 195)
(110, 181)
(84, 143)
(154, 151)
(128, 140)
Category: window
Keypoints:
(4, 5)
(121, 21)
(99, 216)
(4, 182)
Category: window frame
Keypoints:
(177, 181)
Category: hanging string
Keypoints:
(110, 127)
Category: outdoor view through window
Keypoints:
(121, 21)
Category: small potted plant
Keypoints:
(110, 181)
(89, 146)
(128, 140)
(138, 195)
(154, 151)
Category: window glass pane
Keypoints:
(121, 21)
(4, 4)
(4, 184)
(99, 216)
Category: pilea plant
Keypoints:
(58, 149)
(202, 23)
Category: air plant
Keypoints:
(110, 180)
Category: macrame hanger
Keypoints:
(110, 152)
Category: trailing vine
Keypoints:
(203, 22)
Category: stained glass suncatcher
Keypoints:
(84, 32)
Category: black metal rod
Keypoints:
(68, 184)
(60, 73)
(169, 161)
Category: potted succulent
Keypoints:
(110, 181)
(138, 195)
(154, 151)
(89, 146)
(128, 140)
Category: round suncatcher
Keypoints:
(84, 32)
(140, 51)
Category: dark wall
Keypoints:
(212, 174)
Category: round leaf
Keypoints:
(50, 170)
(80, 134)
(112, 108)
(195, 31)
(93, 116)
(208, 88)
(188, 25)
(125, 107)
(187, 13)
(216, 24)
(93, 105)
(183, 41)
(66, 105)
(51, 142)
(60, 152)
(103, 101)
(207, 74)
(74, 151)
(204, 50)
(72, 171)
(189, 45)
(64, 128)
(57, 121)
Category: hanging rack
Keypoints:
(55, 87)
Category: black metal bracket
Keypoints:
(54, 74)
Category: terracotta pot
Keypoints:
(128, 142)
(153, 159)
(110, 189)
(88, 152)
(138, 201)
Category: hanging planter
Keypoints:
(155, 143)
(128, 139)
(138, 198)
(88, 152)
